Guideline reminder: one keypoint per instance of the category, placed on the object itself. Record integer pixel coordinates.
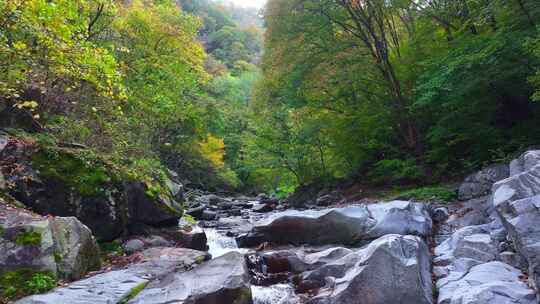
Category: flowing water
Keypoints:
(220, 244)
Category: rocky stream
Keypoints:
(482, 249)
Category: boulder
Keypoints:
(192, 237)
(175, 186)
(223, 280)
(479, 184)
(62, 246)
(74, 182)
(263, 208)
(133, 245)
(154, 210)
(209, 215)
(348, 225)
(517, 201)
(391, 269)
(440, 214)
(121, 285)
(471, 242)
(196, 212)
(488, 283)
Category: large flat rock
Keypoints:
(119, 285)
(348, 225)
(224, 280)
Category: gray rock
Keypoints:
(209, 215)
(513, 259)
(391, 269)
(76, 251)
(63, 246)
(224, 280)
(175, 187)
(109, 209)
(142, 209)
(348, 225)
(472, 242)
(133, 245)
(196, 212)
(525, 162)
(120, 285)
(440, 214)
(263, 208)
(193, 237)
(517, 200)
(489, 283)
(479, 184)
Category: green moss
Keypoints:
(428, 194)
(82, 170)
(28, 238)
(200, 259)
(23, 282)
(190, 219)
(57, 258)
(134, 292)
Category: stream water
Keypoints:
(220, 244)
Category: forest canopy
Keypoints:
(301, 92)
(394, 91)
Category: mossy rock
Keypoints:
(81, 170)
(28, 238)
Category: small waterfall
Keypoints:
(220, 244)
(275, 294)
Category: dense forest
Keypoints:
(406, 92)
(395, 92)
(147, 84)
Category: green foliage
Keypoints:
(28, 238)
(82, 170)
(427, 194)
(346, 93)
(396, 171)
(111, 248)
(23, 282)
(533, 46)
(284, 191)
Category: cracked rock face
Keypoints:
(488, 283)
(479, 184)
(517, 201)
(348, 225)
(391, 269)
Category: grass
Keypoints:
(134, 292)
(438, 193)
(24, 282)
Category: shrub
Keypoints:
(395, 170)
(24, 282)
(434, 193)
